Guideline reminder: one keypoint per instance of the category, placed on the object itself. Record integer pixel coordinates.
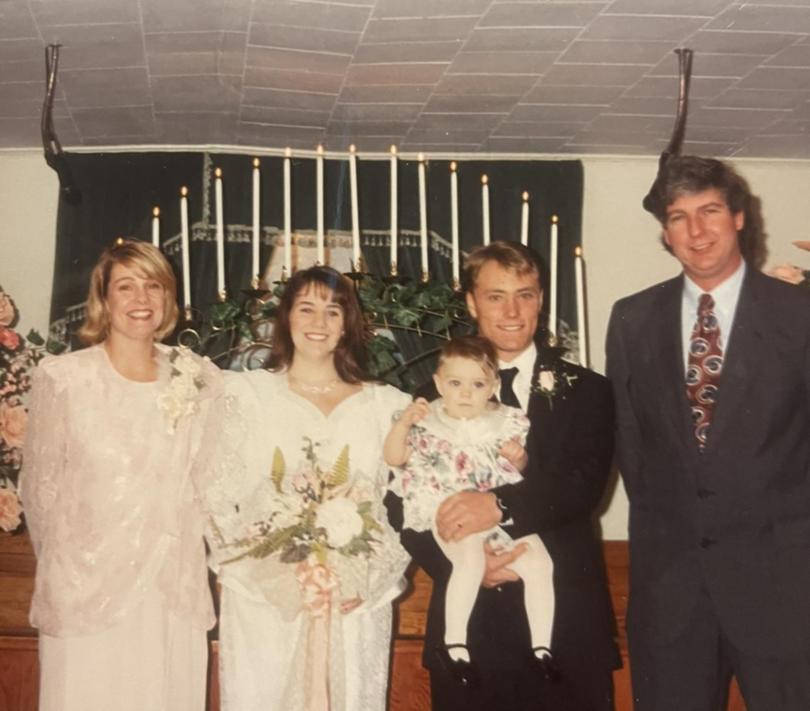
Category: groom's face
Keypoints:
(506, 305)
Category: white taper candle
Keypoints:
(220, 233)
(423, 230)
(454, 222)
(319, 191)
(394, 218)
(184, 247)
(582, 326)
(524, 220)
(156, 227)
(553, 266)
(287, 214)
(485, 207)
(354, 208)
(256, 226)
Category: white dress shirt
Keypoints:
(522, 383)
(725, 295)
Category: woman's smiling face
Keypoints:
(316, 321)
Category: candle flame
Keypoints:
(288, 152)
(484, 179)
(184, 191)
(218, 173)
(453, 166)
(578, 251)
(156, 211)
(352, 148)
(554, 219)
(119, 241)
(421, 157)
(393, 150)
(319, 149)
(256, 163)
(525, 196)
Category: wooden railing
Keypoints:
(409, 681)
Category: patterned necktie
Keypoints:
(704, 368)
(508, 396)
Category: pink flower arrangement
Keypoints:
(791, 273)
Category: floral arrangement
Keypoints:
(180, 397)
(18, 357)
(791, 273)
(318, 520)
(553, 378)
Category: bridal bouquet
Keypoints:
(316, 516)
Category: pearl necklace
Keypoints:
(315, 388)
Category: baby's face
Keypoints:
(465, 387)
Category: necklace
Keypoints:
(315, 388)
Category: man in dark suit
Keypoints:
(570, 448)
(711, 374)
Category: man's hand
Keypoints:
(467, 512)
(515, 453)
(496, 572)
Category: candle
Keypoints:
(287, 216)
(454, 222)
(524, 221)
(255, 243)
(220, 234)
(184, 253)
(581, 324)
(355, 210)
(156, 227)
(319, 191)
(423, 231)
(485, 207)
(393, 210)
(553, 259)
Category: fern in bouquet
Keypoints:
(317, 515)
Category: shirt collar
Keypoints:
(725, 294)
(524, 362)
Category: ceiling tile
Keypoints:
(288, 99)
(311, 15)
(493, 84)
(593, 74)
(775, 147)
(27, 71)
(288, 116)
(502, 62)
(658, 125)
(389, 9)
(544, 129)
(760, 98)
(386, 94)
(507, 144)
(109, 123)
(97, 46)
(706, 64)
(16, 132)
(520, 39)
(451, 120)
(749, 16)
(373, 112)
(573, 95)
(195, 15)
(191, 93)
(83, 12)
(392, 127)
(734, 118)
(444, 135)
(737, 42)
(322, 62)
(395, 74)
(315, 40)
(437, 28)
(183, 64)
(699, 88)
(790, 78)
(189, 128)
(22, 50)
(273, 135)
(612, 52)
(293, 80)
(694, 8)
(521, 14)
(796, 56)
(638, 27)
(91, 88)
(554, 112)
(480, 103)
(376, 53)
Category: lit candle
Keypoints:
(485, 207)
(454, 222)
(287, 216)
(581, 324)
(220, 234)
(156, 227)
(524, 221)
(423, 230)
(355, 210)
(393, 210)
(319, 191)
(553, 259)
(256, 227)
(184, 253)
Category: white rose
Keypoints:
(546, 380)
(341, 521)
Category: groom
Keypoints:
(570, 447)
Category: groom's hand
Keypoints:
(497, 571)
(467, 512)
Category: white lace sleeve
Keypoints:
(44, 449)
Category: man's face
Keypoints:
(506, 306)
(702, 232)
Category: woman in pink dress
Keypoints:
(121, 597)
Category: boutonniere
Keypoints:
(185, 381)
(553, 381)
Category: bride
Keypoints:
(294, 480)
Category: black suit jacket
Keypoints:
(734, 520)
(570, 448)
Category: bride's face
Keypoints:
(316, 322)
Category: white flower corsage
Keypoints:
(552, 382)
(180, 396)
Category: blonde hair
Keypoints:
(475, 348)
(135, 255)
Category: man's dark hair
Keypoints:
(686, 175)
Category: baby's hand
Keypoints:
(515, 453)
(414, 412)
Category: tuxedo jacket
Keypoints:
(570, 448)
(734, 520)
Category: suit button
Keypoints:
(707, 543)
(705, 493)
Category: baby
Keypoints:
(466, 440)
